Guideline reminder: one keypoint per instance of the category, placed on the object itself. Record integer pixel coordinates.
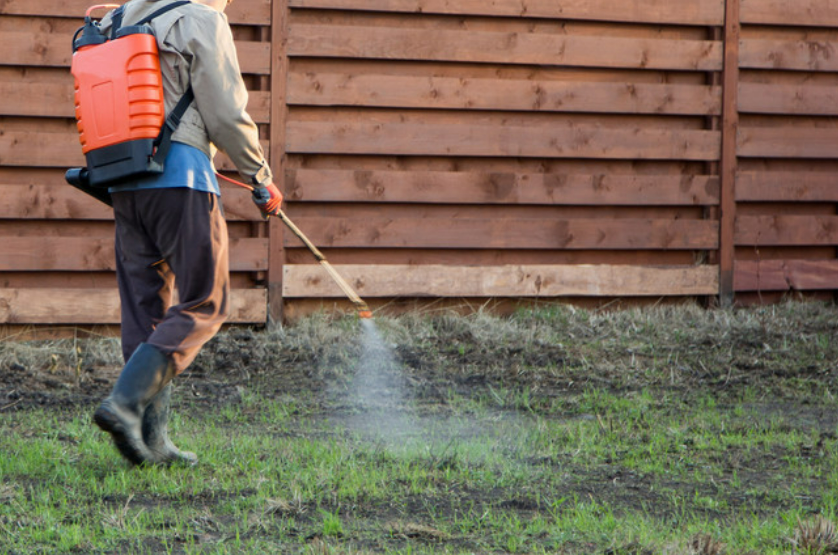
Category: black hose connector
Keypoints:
(80, 179)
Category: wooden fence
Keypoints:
(786, 186)
(513, 149)
(56, 244)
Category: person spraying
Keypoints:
(170, 229)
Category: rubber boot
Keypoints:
(145, 374)
(156, 432)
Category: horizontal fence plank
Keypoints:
(63, 202)
(55, 50)
(804, 100)
(32, 98)
(570, 141)
(793, 55)
(787, 187)
(60, 150)
(254, 57)
(786, 230)
(83, 254)
(507, 233)
(31, 148)
(371, 281)
(499, 188)
(405, 91)
(25, 98)
(503, 48)
(785, 275)
(820, 13)
(496, 257)
(252, 12)
(787, 142)
(702, 12)
(41, 49)
(50, 202)
(101, 306)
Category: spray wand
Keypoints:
(364, 311)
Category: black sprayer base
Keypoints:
(80, 179)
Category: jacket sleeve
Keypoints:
(221, 96)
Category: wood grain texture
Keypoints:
(786, 275)
(728, 162)
(477, 148)
(499, 188)
(83, 254)
(63, 202)
(277, 157)
(801, 100)
(450, 93)
(44, 49)
(338, 41)
(251, 12)
(792, 55)
(412, 281)
(37, 99)
(701, 12)
(569, 141)
(507, 233)
(787, 230)
(101, 306)
(60, 150)
(820, 13)
(787, 142)
(780, 186)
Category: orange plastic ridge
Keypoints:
(119, 91)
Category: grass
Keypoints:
(670, 430)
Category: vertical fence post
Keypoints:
(714, 123)
(728, 166)
(279, 71)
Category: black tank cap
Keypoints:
(90, 35)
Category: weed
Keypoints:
(815, 537)
(332, 525)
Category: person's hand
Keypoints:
(268, 199)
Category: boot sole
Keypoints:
(109, 422)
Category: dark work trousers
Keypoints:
(167, 238)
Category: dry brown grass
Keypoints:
(815, 537)
(705, 544)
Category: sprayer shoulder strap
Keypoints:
(163, 10)
(164, 140)
(119, 14)
(116, 20)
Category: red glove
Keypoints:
(268, 199)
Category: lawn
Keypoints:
(674, 430)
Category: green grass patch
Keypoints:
(671, 430)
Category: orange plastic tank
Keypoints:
(118, 91)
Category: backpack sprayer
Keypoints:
(121, 120)
(119, 106)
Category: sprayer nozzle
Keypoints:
(365, 314)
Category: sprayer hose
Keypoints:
(363, 310)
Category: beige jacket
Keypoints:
(196, 46)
